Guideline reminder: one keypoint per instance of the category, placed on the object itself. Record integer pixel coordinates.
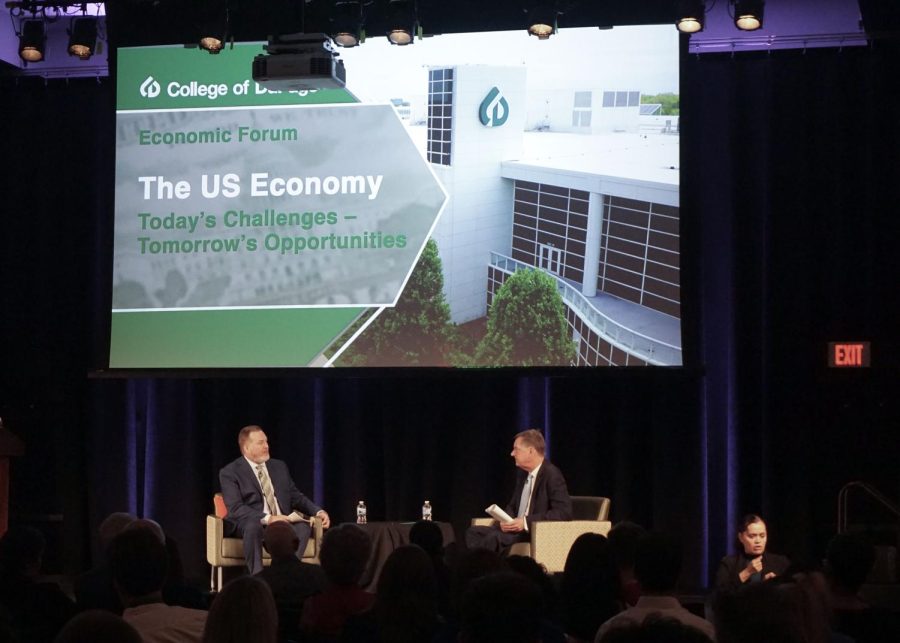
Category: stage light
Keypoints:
(691, 16)
(542, 20)
(83, 37)
(348, 23)
(213, 24)
(748, 14)
(402, 22)
(32, 41)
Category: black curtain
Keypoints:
(788, 242)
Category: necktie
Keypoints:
(526, 497)
(267, 490)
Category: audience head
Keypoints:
(406, 599)
(783, 610)
(623, 538)
(148, 525)
(654, 629)
(243, 612)
(139, 562)
(97, 626)
(281, 540)
(21, 552)
(407, 571)
(752, 535)
(428, 535)
(589, 586)
(112, 525)
(657, 563)
(500, 608)
(345, 552)
(473, 564)
(848, 561)
(535, 572)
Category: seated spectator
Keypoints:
(37, 610)
(537, 574)
(781, 611)
(94, 588)
(471, 565)
(98, 626)
(345, 552)
(657, 566)
(428, 535)
(623, 539)
(590, 587)
(848, 561)
(752, 563)
(655, 629)
(405, 607)
(139, 563)
(500, 608)
(290, 580)
(243, 612)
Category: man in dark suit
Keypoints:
(540, 494)
(252, 484)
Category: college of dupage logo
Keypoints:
(494, 109)
(150, 88)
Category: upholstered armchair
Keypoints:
(224, 550)
(551, 540)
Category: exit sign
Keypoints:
(848, 354)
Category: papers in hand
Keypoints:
(497, 513)
(296, 516)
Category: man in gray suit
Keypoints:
(259, 491)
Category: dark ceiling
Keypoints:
(147, 22)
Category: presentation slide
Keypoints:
(472, 200)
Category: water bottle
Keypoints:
(426, 510)
(361, 513)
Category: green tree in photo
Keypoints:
(671, 103)
(415, 332)
(527, 324)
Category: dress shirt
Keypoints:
(266, 506)
(666, 606)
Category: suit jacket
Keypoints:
(549, 499)
(243, 496)
(727, 575)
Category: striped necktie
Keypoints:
(267, 490)
(525, 499)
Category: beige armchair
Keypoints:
(551, 540)
(224, 551)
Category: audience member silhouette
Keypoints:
(655, 629)
(848, 561)
(471, 565)
(537, 574)
(657, 566)
(243, 612)
(501, 608)
(428, 535)
(94, 588)
(139, 563)
(98, 626)
(37, 610)
(290, 580)
(405, 608)
(589, 588)
(623, 539)
(775, 612)
(345, 552)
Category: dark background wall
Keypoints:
(788, 241)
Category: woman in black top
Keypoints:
(752, 563)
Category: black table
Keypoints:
(386, 537)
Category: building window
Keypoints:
(440, 115)
(581, 114)
(621, 99)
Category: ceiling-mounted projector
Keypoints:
(299, 61)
